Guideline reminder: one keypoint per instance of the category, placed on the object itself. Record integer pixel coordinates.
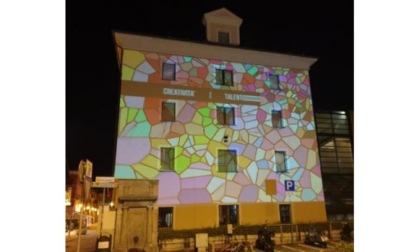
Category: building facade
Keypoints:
(225, 130)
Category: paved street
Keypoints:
(87, 242)
(300, 247)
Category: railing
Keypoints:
(284, 234)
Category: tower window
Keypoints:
(168, 72)
(167, 158)
(274, 82)
(224, 77)
(280, 157)
(223, 37)
(226, 160)
(226, 115)
(168, 111)
(277, 119)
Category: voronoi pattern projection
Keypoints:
(196, 136)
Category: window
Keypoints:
(274, 82)
(224, 77)
(226, 115)
(228, 214)
(280, 161)
(167, 155)
(226, 160)
(335, 142)
(168, 72)
(277, 119)
(165, 217)
(168, 111)
(223, 38)
(335, 154)
(284, 214)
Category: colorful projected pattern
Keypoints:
(196, 136)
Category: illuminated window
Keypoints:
(228, 214)
(274, 82)
(165, 217)
(226, 160)
(277, 119)
(224, 77)
(223, 37)
(167, 156)
(168, 111)
(168, 72)
(334, 141)
(280, 161)
(226, 115)
(335, 154)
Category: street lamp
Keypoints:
(78, 207)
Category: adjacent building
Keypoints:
(228, 132)
(335, 141)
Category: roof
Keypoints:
(223, 16)
(133, 41)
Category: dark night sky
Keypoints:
(321, 29)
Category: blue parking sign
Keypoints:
(289, 185)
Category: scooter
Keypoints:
(316, 238)
(265, 239)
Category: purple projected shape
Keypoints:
(241, 179)
(273, 136)
(285, 132)
(134, 102)
(169, 185)
(266, 145)
(301, 155)
(198, 182)
(191, 196)
(305, 179)
(272, 175)
(250, 151)
(238, 147)
(316, 170)
(320, 196)
(233, 189)
(186, 114)
(249, 87)
(168, 201)
(131, 150)
(249, 194)
(200, 166)
(281, 189)
(261, 115)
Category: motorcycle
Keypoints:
(316, 238)
(265, 239)
(347, 234)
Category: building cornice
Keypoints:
(193, 49)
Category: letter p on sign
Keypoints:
(289, 185)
